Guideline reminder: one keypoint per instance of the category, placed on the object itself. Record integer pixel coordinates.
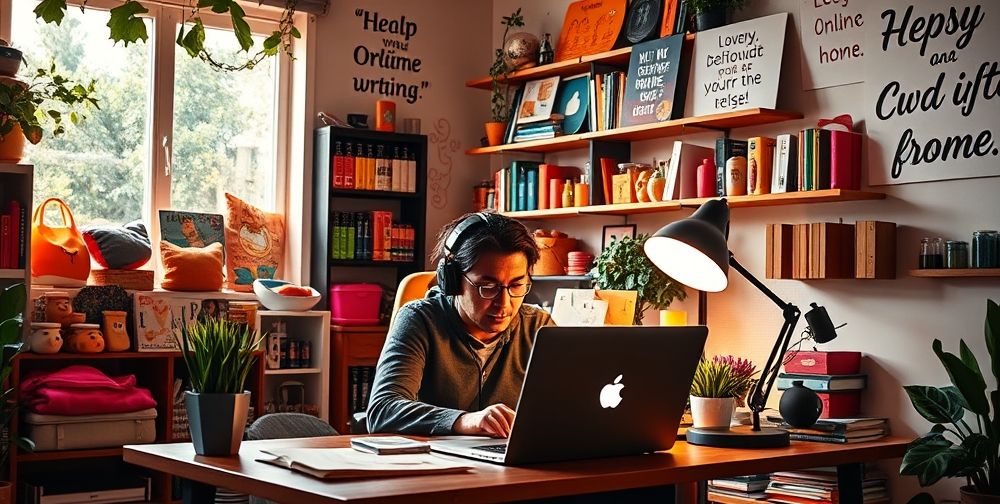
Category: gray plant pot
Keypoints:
(217, 422)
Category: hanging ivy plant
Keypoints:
(126, 26)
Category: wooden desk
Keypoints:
(490, 482)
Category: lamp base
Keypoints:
(738, 437)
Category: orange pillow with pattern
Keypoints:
(191, 268)
(255, 244)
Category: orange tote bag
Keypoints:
(59, 255)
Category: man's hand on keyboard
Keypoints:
(494, 421)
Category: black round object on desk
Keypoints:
(800, 406)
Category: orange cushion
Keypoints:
(191, 268)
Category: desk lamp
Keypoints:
(694, 252)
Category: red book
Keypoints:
(547, 173)
(845, 404)
(338, 171)
(825, 363)
(14, 259)
(5, 241)
(608, 168)
(845, 162)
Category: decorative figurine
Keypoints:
(115, 335)
(45, 338)
(545, 52)
(85, 338)
(59, 309)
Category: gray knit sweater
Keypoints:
(429, 374)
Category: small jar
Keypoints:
(45, 337)
(85, 338)
(956, 254)
(931, 253)
(984, 249)
(581, 192)
(567, 194)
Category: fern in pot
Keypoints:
(623, 265)
(219, 356)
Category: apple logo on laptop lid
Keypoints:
(611, 393)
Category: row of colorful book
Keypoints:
(528, 185)
(373, 167)
(371, 236)
(13, 235)
(810, 486)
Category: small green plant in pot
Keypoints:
(718, 383)
(623, 265)
(499, 85)
(12, 301)
(711, 14)
(219, 356)
(958, 446)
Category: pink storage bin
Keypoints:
(355, 304)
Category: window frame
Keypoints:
(166, 17)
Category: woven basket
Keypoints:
(127, 279)
(553, 254)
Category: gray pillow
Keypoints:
(114, 247)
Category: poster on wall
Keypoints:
(737, 66)
(833, 48)
(932, 91)
(651, 86)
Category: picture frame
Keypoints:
(611, 232)
(538, 100)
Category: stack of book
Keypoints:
(839, 430)
(14, 235)
(539, 130)
(834, 376)
(738, 489)
(819, 486)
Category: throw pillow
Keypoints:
(126, 247)
(255, 244)
(191, 268)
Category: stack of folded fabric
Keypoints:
(80, 407)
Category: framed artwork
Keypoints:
(616, 233)
(538, 100)
(573, 101)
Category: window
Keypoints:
(171, 132)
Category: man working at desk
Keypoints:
(453, 362)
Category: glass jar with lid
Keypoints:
(931, 253)
(956, 254)
(985, 245)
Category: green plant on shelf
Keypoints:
(623, 265)
(499, 85)
(12, 302)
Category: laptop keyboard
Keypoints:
(497, 448)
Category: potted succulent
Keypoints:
(219, 356)
(718, 384)
(957, 447)
(499, 86)
(12, 301)
(26, 107)
(623, 265)
(710, 14)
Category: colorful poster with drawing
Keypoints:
(192, 229)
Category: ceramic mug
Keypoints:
(115, 335)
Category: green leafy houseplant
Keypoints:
(126, 25)
(722, 377)
(219, 355)
(955, 446)
(48, 98)
(623, 265)
(499, 86)
(12, 301)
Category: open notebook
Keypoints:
(338, 463)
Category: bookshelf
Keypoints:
(16, 182)
(956, 273)
(300, 326)
(352, 347)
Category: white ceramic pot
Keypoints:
(712, 412)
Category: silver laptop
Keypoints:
(593, 392)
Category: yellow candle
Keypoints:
(673, 318)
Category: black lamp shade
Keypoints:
(694, 251)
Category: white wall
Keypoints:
(892, 321)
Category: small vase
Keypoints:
(494, 132)
(800, 406)
(706, 179)
(970, 496)
(712, 18)
(736, 176)
(712, 412)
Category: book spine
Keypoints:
(823, 159)
(5, 241)
(355, 400)
(531, 189)
(338, 168)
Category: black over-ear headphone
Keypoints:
(449, 274)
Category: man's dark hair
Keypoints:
(498, 234)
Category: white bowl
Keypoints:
(276, 302)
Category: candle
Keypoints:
(673, 318)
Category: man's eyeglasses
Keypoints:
(492, 290)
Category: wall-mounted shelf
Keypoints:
(677, 127)
(792, 198)
(956, 273)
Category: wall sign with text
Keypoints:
(833, 42)
(932, 91)
(737, 66)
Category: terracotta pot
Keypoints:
(970, 496)
(12, 145)
(6, 492)
(494, 132)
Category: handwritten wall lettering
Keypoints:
(833, 35)
(737, 66)
(932, 92)
(391, 54)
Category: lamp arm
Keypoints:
(770, 371)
